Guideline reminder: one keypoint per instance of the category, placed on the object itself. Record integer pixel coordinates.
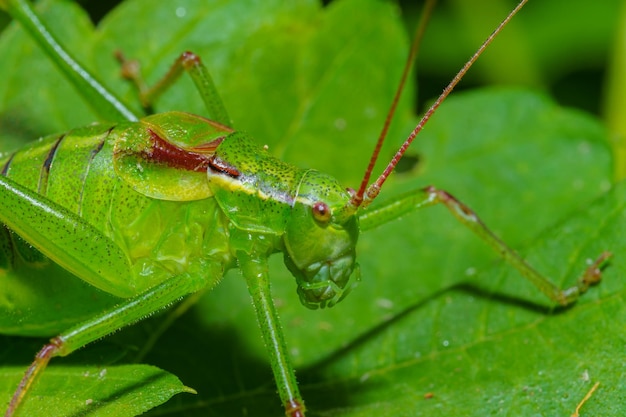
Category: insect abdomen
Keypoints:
(55, 167)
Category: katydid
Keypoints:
(112, 215)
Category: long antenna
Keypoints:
(364, 198)
(357, 199)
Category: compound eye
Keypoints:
(321, 212)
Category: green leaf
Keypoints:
(437, 311)
(103, 391)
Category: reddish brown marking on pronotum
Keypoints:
(167, 153)
(217, 164)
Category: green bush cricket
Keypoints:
(232, 172)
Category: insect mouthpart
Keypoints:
(324, 284)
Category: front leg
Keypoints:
(430, 195)
(255, 270)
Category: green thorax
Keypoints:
(255, 190)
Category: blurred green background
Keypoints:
(564, 47)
